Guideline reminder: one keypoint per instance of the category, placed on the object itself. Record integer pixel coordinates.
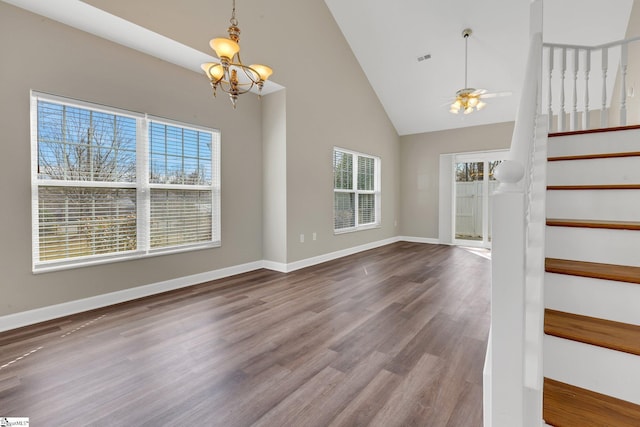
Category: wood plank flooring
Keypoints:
(394, 336)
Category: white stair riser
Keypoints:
(620, 247)
(591, 143)
(604, 299)
(620, 170)
(591, 367)
(609, 372)
(612, 205)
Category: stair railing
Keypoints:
(586, 87)
(513, 367)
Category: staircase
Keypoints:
(592, 279)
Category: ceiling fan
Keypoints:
(469, 99)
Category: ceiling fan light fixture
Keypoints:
(467, 99)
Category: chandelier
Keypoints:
(468, 98)
(230, 75)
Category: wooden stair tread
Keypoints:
(568, 405)
(590, 330)
(595, 187)
(620, 273)
(595, 156)
(599, 130)
(591, 223)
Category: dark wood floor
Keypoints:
(395, 336)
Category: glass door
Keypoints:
(473, 186)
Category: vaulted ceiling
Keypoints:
(387, 38)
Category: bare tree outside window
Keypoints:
(78, 146)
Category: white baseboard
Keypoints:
(297, 265)
(309, 262)
(428, 240)
(30, 317)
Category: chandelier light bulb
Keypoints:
(224, 48)
(214, 71)
(263, 71)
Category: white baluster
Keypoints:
(587, 70)
(623, 91)
(550, 113)
(604, 119)
(563, 69)
(574, 110)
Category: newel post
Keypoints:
(507, 296)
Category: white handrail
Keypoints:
(596, 47)
(528, 109)
(514, 355)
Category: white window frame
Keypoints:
(141, 185)
(376, 191)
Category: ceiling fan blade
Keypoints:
(495, 94)
(479, 92)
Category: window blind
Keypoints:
(356, 189)
(111, 184)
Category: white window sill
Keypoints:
(354, 229)
(49, 266)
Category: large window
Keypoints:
(356, 190)
(109, 184)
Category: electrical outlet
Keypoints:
(314, 235)
(302, 238)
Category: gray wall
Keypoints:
(419, 176)
(274, 184)
(276, 153)
(43, 55)
(329, 102)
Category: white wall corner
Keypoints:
(280, 267)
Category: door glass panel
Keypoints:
(469, 200)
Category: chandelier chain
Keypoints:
(233, 19)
